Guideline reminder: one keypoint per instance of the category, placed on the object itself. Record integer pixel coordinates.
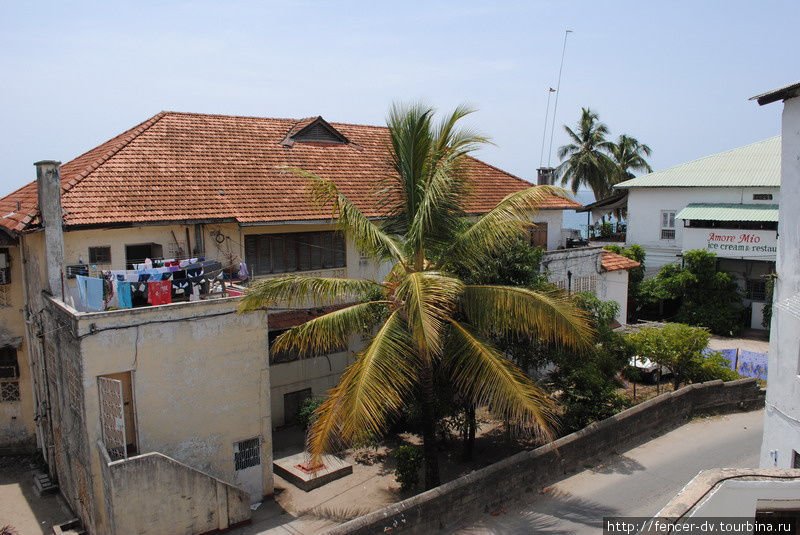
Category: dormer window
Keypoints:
(316, 130)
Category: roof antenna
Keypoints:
(546, 116)
(558, 92)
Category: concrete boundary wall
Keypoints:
(448, 505)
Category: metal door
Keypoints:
(112, 417)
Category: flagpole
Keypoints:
(544, 132)
(558, 92)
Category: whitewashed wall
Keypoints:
(644, 216)
(782, 410)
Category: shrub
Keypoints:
(409, 463)
(677, 346)
(708, 297)
(712, 365)
(305, 414)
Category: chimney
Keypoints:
(545, 176)
(48, 182)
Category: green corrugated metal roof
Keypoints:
(757, 164)
(729, 212)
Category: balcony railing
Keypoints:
(611, 232)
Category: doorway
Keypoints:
(128, 409)
(137, 253)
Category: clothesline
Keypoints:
(155, 286)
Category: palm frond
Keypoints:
(500, 226)
(332, 330)
(375, 385)
(429, 298)
(485, 376)
(296, 289)
(552, 317)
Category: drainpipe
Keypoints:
(48, 181)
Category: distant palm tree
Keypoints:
(422, 320)
(628, 155)
(585, 161)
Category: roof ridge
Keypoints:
(125, 139)
(716, 154)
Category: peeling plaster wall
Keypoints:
(17, 430)
(200, 380)
(200, 383)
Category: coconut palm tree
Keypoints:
(628, 155)
(422, 319)
(585, 161)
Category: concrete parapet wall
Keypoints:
(155, 494)
(486, 489)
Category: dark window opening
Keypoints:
(299, 251)
(138, 253)
(100, 255)
(755, 289)
(247, 453)
(762, 196)
(9, 375)
(5, 267)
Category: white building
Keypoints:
(781, 446)
(726, 203)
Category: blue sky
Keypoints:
(675, 74)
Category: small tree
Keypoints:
(708, 296)
(677, 346)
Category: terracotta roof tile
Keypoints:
(614, 262)
(183, 166)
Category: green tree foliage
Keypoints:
(588, 380)
(708, 297)
(635, 276)
(409, 461)
(585, 160)
(677, 346)
(628, 155)
(305, 413)
(431, 322)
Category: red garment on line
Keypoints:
(159, 292)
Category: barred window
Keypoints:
(584, 284)
(9, 375)
(246, 453)
(298, 251)
(755, 289)
(667, 224)
(100, 255)
(5, 267)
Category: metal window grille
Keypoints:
(100, 255)
(9, 384)
(584, 284)
(756, 289)
(667, 234)
(246, 453)
(762, 196)
(5, 267)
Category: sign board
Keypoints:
(732, 243)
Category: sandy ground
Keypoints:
(19, 505)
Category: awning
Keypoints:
(729, 212)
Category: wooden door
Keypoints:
(539, 235)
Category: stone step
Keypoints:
(42, 484)
(71, 527)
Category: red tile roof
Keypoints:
(613, 262)
(195, 167)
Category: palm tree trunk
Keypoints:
(429, 428)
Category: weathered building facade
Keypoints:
(181, 398)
